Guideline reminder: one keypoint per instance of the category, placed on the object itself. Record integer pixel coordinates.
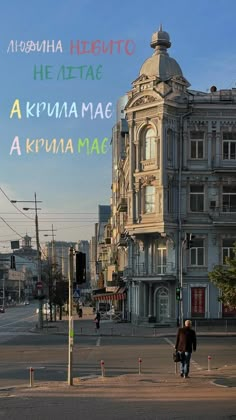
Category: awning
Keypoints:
(104, 297)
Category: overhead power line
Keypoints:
(13, 230)
(19, 210)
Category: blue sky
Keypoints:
(72, 185)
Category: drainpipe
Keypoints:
(180, 256)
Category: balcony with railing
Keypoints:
(122, 204)
(144, 270)
(226, 215)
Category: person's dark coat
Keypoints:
(186, 340)
(97, 320)
(98, 317)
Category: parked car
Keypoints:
(46, 309)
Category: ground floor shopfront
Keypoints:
(155, 301)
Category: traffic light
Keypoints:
(80, 267)
(189, 240)
(178, 293)
(13, 262)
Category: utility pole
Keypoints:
(40, 317)
(53, 250)
(39, 268)
(70, 319)
(181, 285)
(186, 243)
(3, 291)
(54, 271)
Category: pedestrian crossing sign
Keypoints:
(76, 294)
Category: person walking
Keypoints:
(97, 320)
(186, 343)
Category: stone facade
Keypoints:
(175, 175)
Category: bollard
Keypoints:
(154, 332)
(133, 331)
(31, 377)
(81, 330)
(111, 331)
(209, 363)
(103, 368)
(139, 365)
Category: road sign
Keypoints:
(39, 285)
(76, 294)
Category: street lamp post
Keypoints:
(53, 247)
(70, 319)
(53, 270)
(181, 285)
(39, 282)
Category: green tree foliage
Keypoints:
(224, 277)
(56, 286)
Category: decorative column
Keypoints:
(218, 155)
(144, 300)
(131, 167)
(150, 300)
(137, 202)
(208, 147)
(161, 161)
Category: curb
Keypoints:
(130, 335)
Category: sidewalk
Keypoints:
(86, 326)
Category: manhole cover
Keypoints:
(228, 382)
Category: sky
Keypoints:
(85, 87)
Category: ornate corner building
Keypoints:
(174, 162)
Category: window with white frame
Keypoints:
(149, 149)
(161, 260)
(197, 252)
(229, 198)
(149, 203)
(196, 198)
(197, 144)
(227, 249)
(229, 146)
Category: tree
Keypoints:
(224, 277)
(57, 286)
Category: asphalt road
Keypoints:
(116, 396)
(48, 353)
(17, 320)
(73, 407)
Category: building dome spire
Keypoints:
(160, 41)
(160, 64)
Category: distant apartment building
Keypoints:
(102, 247)
(92, 262)
(174, 173)
(58, 252)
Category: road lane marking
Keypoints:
(193, 362)
(169, 341)
(16, 322)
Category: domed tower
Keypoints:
(26, 242)
(156, 103)
(159, 73)
(161, 64)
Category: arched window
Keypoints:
(149, 144)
